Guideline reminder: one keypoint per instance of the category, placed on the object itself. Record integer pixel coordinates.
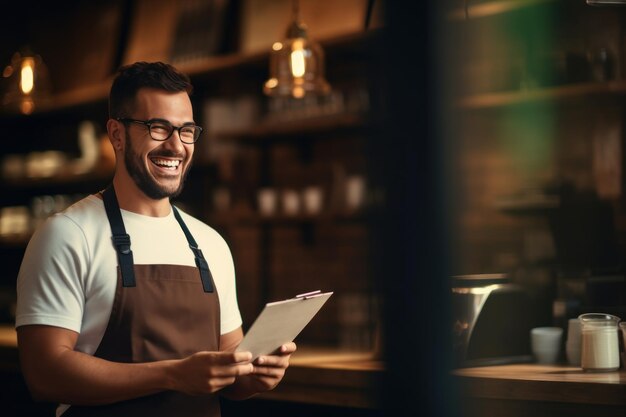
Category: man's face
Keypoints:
(158, 168)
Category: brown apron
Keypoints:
(159, 312)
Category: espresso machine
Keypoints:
(491, 321)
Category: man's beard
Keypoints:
(146, 183)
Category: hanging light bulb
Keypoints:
(296, 63)
(26, 83)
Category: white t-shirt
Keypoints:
(69, 271)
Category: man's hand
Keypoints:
(209, 372)
(270, 369)
(267, 372)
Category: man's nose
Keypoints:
(175, 142)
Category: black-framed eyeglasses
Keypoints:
(161, 130)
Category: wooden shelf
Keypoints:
(251, 219)
(530, 204)
(93, 94)
(296, 127)
(15, 241)
(209, 65)
(331, 377)
(492, 8)
(63, 178)
(259, 219)
(88, 94)
(512, 98)
(198, 70)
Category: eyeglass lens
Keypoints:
(162, 131)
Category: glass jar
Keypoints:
(600, 343)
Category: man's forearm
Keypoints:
(55, 372)
(81, 379)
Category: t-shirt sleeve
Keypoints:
(223, 270)
(229, 307)
(50, 279)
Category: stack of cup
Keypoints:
(573, 343)
(546, 343)
(622, 327)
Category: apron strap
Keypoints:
(203, 266)
(121, 239)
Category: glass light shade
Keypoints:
(296, 66)
(26, 83)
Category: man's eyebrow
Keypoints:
(168, 122)
(159, 120)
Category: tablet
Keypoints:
(280, 322)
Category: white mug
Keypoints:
(312, 198)
(267, 200)
(546, 343)
(574, 342)
(291, 202)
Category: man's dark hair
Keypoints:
(131, 78)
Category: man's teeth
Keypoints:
(166, 163)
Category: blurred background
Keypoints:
(538, 142)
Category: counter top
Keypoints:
(330, 377)
(8, 336)
(316, 375)
(8, 349)
(544, 383)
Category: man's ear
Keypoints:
(117, 134)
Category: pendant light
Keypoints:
(26, 83)
(296, 63)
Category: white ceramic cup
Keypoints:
(267, 200)
(573, 354)
(355, 192)
(622, 327)
(546, 344)
(574, 342)
(290, 202)
(312, 199)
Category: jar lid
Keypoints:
(599, 319)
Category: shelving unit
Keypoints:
(326, 250)
(476, 9)
(61, 179)
(558, 94)
(520, 129)
(273, 130)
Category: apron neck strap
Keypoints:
(201, 263)
(121, 239)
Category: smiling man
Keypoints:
(126, 304)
